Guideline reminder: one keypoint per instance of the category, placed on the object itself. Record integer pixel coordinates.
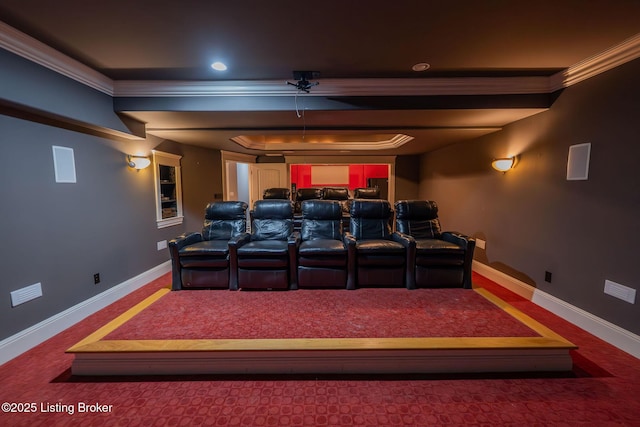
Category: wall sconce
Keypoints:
(138, 162)
(503, 164)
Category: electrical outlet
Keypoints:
(96, 278)
(547, 276)
(480, 244)
(162, 244)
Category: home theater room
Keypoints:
(332, 213)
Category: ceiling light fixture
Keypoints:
(421, 66)
(218, 66)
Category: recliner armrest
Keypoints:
(185, 239)
(349, 239)
(175, 245)
(293, 242)
(469, 245)
(239, 240)
(459, 239)
(409, 244)
(234, 243)
(404, 239)
(294, 239)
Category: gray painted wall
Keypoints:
(407, 177)
(201, 183)
(35, 88)
(532, 218)
(61, 234)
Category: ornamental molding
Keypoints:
(613, 57)
(29, 48)
(257, 143)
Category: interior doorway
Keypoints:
(267, 175)
(237, 183)
(244, 180)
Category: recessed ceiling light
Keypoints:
(218, 66)
(421, 66)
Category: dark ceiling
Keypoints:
(151, 40)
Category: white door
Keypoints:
(267, 175)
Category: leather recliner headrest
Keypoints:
(336, 193)
(226, 210)
(273, 209)
(366, 193)
(309, 193)
(276, 193)
(416, 209)
(321, 209)
(374, 209)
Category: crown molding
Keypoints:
(613, 57)
(29, 48)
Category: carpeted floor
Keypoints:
(602, 391)
(364, 313)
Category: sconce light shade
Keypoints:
(504, 164)
(137, 162)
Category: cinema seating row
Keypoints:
(321, 254)
(340, 194)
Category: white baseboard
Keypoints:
(621, 338)
(24, 340)
(514, 285)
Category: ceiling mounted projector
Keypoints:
(303, 77)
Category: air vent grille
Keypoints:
(26, 294)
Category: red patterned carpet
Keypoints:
(364, 313)
(602, 391)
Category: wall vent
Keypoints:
(26, 294)
(620, 291)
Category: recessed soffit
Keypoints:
(322, 141)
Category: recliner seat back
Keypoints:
(272, 220)
(418, 218)
(321, 219)
(224, 220)
(370, 219)
(338, 193)
(307, 194)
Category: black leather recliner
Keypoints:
(307, 194)
(383, 258)
(341, 194)
(207, 259)
(268, 260)
(301, 195)
(325, 258)
(442, 259)
(276, 193)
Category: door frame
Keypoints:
(229, 157)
